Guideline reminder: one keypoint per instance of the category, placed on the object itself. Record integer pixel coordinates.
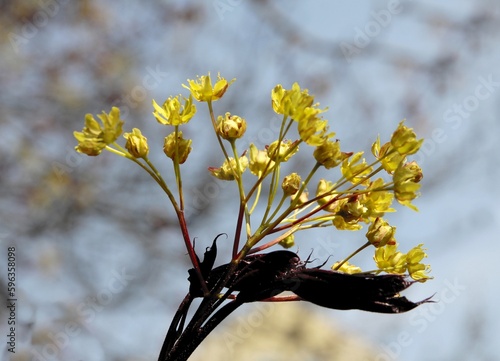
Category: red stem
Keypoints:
(190, 249)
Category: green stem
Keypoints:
(352, 255)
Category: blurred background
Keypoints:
(101, 267)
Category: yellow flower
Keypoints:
(389, 259)
(94, 137)
(137, 144)
(346, 225)
(291, 102)
(312, 129)
(203, 91)
(328, 154)
(354, 208)
(173, 113)
(259, 161)
(406, 178)
(418, 271)
(381, 233)
(353, 170)
(231, 127)
(387, 155)
(228, 170)
(286, 150)
(87, 145)
(175, 144)
(378, 201)
(404, 140)
(277, 99)
(346, 268)
(291, 184)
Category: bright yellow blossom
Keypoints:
(291, 102)
(313, 130)
(94, 137)
(389, 259)
(346, 268)
(378, 201)
(354, 169)
(418, 271)
(404, 140)
(259, 161)
(173, 113)
(388, 156)
(203, 91)
(406, 178)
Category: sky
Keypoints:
(371, 63)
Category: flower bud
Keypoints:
(328, 154)
(288, 241)
(381, 233)
(177, 145)
(406, 178)
(137, 144)
(404, 140)
(231, 127)
(291, 184)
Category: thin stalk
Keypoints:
(352, 255)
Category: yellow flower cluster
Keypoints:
(389, 259)
(356, 198)
(203, 91)
(173, 113)
(95, 137)
(297, 104)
